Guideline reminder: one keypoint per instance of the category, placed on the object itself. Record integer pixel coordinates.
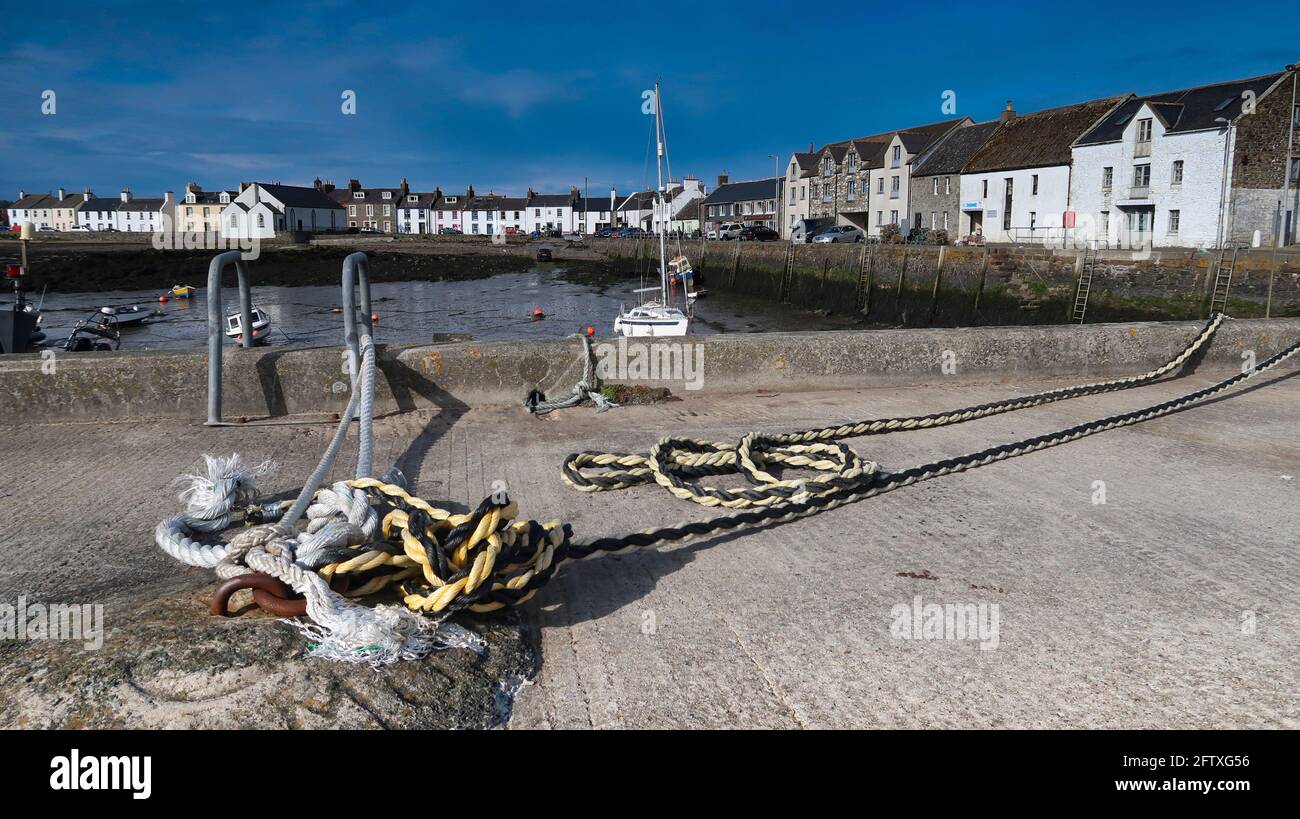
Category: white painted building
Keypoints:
(415, 213)
(262, 209)
(144, 215)
(1157, 170)
(1016, 188)
(98, 213)
(801, 168)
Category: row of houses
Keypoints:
(1196, 167)
(262, 209)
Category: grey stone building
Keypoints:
(936, 177)
(371, 208)
(1265, 177)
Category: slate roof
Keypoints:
(1040, 139)
(550, 200)
(101, 204)
(423, 201)
(1190, 109)
(951, 155)
(807, 161)
(145, 204)
(915, 140)
(688, 211)
(753, 190)
(295, 197)
(33, 200)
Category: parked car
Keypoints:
(512, 231)
(803, 231)
(449, 232)
(604, 233)
(80, 227)
(837, 234)
(759, 233)
(728, 230)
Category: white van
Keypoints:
(804, 230)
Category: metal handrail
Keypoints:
(216, 323)
(356, 271)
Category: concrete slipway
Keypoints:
(1173, 604)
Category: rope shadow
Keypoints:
(594, 589)
(407, 385)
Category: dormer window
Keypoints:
(451, 199)
(387, 195)
(826, 166)
(358, 195)
(413, 198)
(897, 158)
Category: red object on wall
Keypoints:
(13, 271)
(1067, 219)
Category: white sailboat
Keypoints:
(657, 317)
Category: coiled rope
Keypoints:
(485, 560)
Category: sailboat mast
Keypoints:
(659, 194)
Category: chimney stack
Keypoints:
(437, 192)
(60, 194)
(1008, 113)
(317, 183)
(354, 185)
(722, 179)
(193, 187)
(469, 191)
(126, 194)
(22, 194)
(810, 147)
(405, 187)
(328, 186)
(87, 194)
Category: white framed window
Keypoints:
(1033, 185)
(1176, 175)
(358, 195)
(893, 217)
(1175, 217)
(936, 186)
(1141, 176)
(947, 188)
(1144, 130)
(1107, 178)
(261, 220)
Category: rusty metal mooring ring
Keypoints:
(271, 595)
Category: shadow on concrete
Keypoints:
(407, 386)
(272, 390)
(608, 584)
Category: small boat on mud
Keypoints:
(261, 327)
(184, 291)
(130, 316)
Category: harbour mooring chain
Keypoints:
(369, 534)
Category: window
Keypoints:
(387, 194)
(1295, 117)
(936, 186)
(234, 221)
(893, 217)
(880, 185)
(189, 211)
(851, 190)
(1175, 216)
(1141, 176)
(945, 220)
(826, 166)
(1105, 223)
(1033, 220)
(388, 210)
(370, 210)
(893, 187)
(986, 189)
(1033, 188)
(1144, 130)
(934, 219)
(1295, 170)
(358, 195)
(1107, 178)
(947, 186)
(1177, 176)
(261, 220)
(897, 157)
(853, 163)
(880, 217)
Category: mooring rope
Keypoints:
(376, 534)
(586, 389)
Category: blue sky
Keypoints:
(503, 97)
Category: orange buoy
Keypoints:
(537, 313)
(374, 318)
(162, 299)
(591, 331)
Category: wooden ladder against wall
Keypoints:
(787, 273)
(1084, 287)
(1223, 280)
(864, 277)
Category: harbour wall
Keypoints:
(929, 286)
(297, 381)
